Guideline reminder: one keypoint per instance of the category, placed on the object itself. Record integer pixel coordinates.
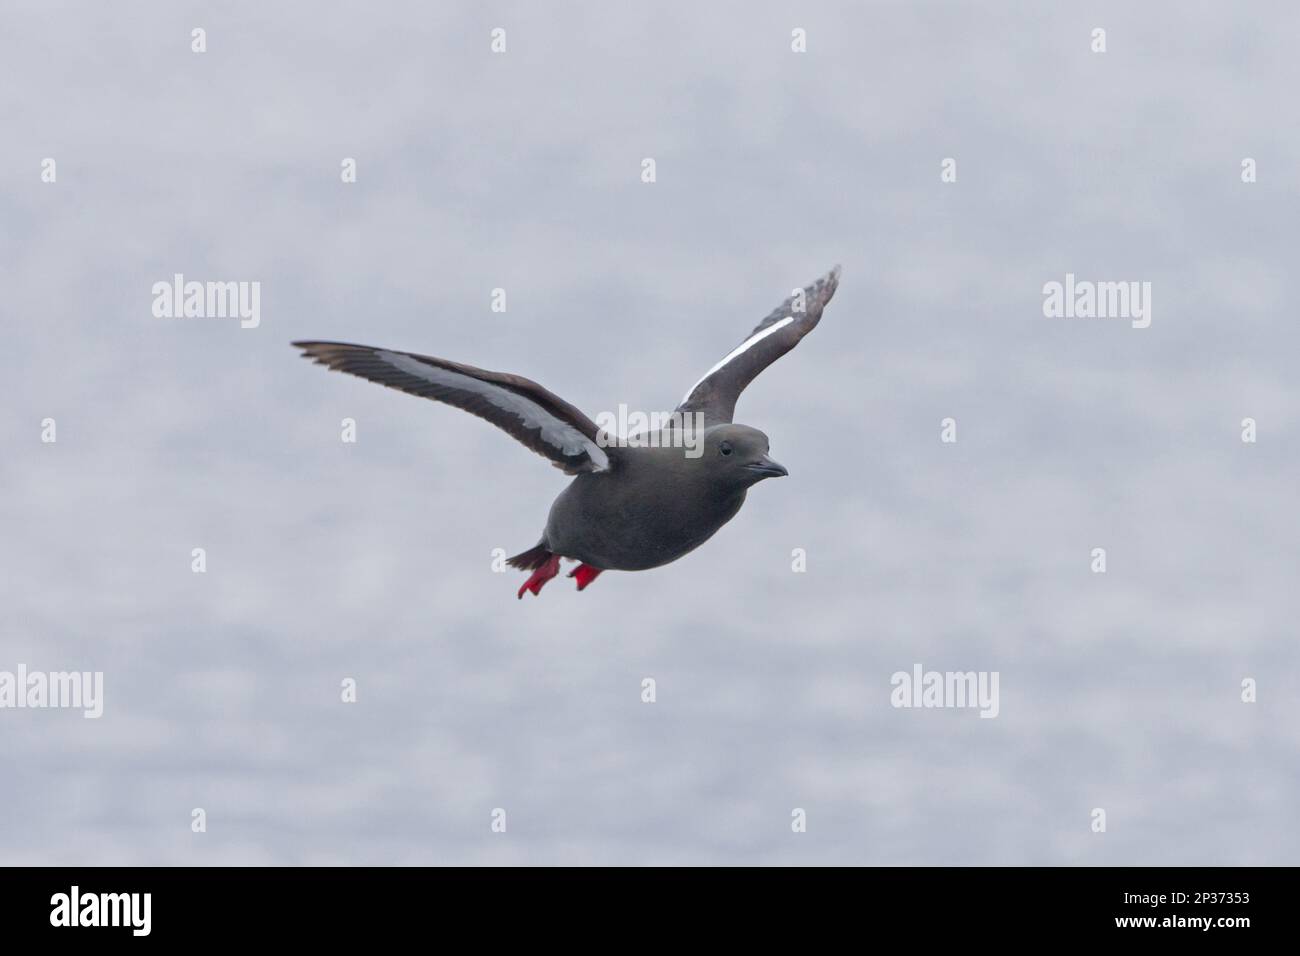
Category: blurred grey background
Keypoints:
(373, 560)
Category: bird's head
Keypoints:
(737, 456)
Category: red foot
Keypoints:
(585, 574)
(543, 574)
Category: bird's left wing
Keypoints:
(715, 394)
(528, 412)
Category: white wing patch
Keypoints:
(555, 431)
(740, 350)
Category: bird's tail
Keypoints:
(531, 559)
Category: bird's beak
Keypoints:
(766, 468)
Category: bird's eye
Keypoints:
(725, 448)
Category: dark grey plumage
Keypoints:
(662, 504)
(628, 508)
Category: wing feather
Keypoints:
(716, 392)
(536, 417)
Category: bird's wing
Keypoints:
(716, 392)
(539, 419)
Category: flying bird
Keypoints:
(632, 505)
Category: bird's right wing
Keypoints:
(715, 394)
(534, 416)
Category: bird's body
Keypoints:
(632, 505)
(667, 506)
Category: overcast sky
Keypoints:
(522, 170)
